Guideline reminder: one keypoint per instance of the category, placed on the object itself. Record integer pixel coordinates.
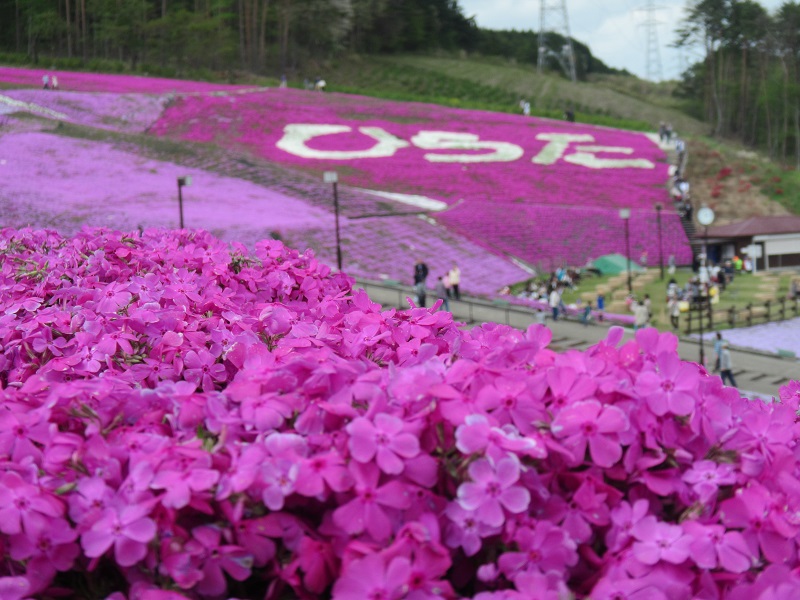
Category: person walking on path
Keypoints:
(674, 306)
(455, 281)
(717, 351)
(420, 272)
(726, 365)
(419, 290)
(441, 294)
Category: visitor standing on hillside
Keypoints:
(420, 272)
(46, 81)
(455, 281)
(284, 83)
(726, 364)
(54, 84)
(680, 148)
(554, 301)
(671, 263)
(640, 315)
(441, 293)
(526, 108)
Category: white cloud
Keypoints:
(611, 28)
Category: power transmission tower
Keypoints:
(553, 17)
(653, 54)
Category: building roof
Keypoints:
(757, 226)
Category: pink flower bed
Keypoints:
(129, 113)
(99, 82)
(95, 184)
(183, 419)
(528, 170)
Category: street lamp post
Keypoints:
(625, 215)
(182, 182)
(659, 207)
(333, 177)
(705, 216)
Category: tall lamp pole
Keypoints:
(705, 216)
(659, 207)
(333, 177)
(625, 215)
(182, 182)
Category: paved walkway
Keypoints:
(757, 373)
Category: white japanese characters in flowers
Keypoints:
(559, 146)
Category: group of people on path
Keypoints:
(447, 285)
(50, 82)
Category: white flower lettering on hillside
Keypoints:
(295, 138)
(448, 140)
(559, 146)
(586, 157)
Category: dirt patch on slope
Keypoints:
(730, 182)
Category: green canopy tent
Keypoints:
(614, 264)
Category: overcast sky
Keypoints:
(611, 28)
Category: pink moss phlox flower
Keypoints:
(568, 385)
(542, 549)
(589, 422)
(465, 530)
(278, 477)
(706, 477)
(478, 435)
(713, 547)
(384, 440)
(671, 387)
(218, 559)
(657, 541)
(180, 479)
(492, 489)
(129, 530)
(763, 523)
(371, 578)
(319, 564)
(623, 519)
(321, 470)
(25, 507)
(373, 506)
(203, 370)
(14, 588)
(50, 549)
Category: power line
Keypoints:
(553, 16)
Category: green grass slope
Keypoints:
(496, 84)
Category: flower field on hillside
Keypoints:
(185, 419)
(101, 82)
(499, 171)
(96, 184)
(129, 113)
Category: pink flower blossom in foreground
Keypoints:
(347, 451)
(492, 489)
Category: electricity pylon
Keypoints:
(653, 53)
(553, 17)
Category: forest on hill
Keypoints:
(747, 87)
(262, 36)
